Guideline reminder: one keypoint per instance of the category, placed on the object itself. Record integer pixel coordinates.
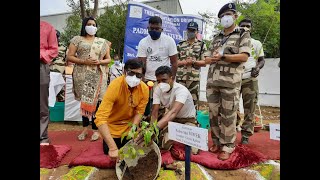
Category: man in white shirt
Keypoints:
(116, 68)
(249, 85)
(157, 49)
(178, 101)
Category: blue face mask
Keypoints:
(155, 34)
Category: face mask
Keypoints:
(227, 21)
(91, 30)
(132, 81)
(164, 87)
(154, 34)
(191, 35)
(116, 62)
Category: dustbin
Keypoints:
(57, 112)
(203, 119)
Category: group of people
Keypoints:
(234, 61)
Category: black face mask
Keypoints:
(154, 34)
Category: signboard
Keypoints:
(274, 131)
(193, 136)
(174, 25)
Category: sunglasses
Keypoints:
(247, 26)
(131, 73)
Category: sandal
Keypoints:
(95, 136)
(82, 136)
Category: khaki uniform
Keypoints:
(250, 92)
(189, 75)
(58, 65)
(223, 86)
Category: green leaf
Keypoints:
(133, 153)
(123, 135)
(130, 135)
(147, 137)
(140, 152)
(130, 124)
(126, 155)
(134, 127)
(144, 123)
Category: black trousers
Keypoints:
(86, 122)
(118, 143)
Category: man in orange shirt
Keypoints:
(48, 51)
(124, 101)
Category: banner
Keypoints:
(174, 25)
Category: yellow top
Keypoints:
(119, 105)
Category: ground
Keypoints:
(270, 115)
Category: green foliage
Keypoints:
(111, 25)
(265, 15)
(147, 130)
(72, 28)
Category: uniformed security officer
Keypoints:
(226, 55)
(58, 64)
(190, 59)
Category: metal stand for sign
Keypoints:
(187, 162)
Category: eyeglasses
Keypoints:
(247, 26)
(131, 73)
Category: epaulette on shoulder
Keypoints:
(181, 42)
(243, 29)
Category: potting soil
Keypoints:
(146, 168)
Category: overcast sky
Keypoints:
(188, 7)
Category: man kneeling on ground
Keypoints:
(124, 101)
(179, 102)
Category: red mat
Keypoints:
(51, 155)
(70, 138)
(93, 156)
(259, 142)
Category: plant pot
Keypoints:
(257, 128)
(143, 167)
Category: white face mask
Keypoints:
(164, 87)
(227, 21)
(91, 30)
(117, 63)
(132, 81)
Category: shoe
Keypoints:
(82, 136)
(244, 140)
(214, 148)
(224, 155)
(45, 141)
(95, 136)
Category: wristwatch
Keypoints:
(223, 57)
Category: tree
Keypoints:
(265, 15)
(83, 6)
(112, 25)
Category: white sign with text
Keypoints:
(193, 136)
(274, 131)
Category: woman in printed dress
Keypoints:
(91, 56)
